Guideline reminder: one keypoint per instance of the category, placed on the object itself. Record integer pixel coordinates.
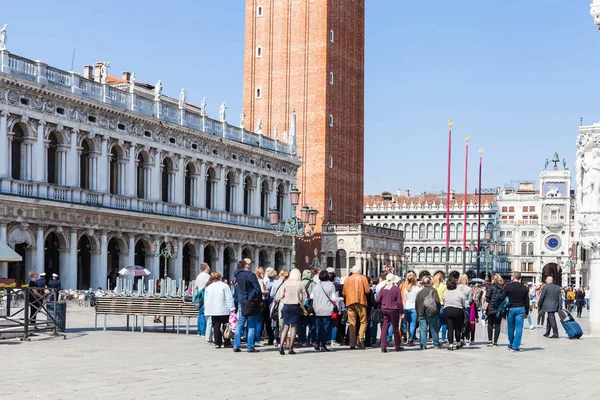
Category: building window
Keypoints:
(525, 209)
(259, 11)
(330, 161)
(330, 120)
(331, 78)
(258, 93)
(504, 209)
(511, 209)
(531, 208)
(331, 36)
(259, 51)
(330, 206)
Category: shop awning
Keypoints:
(7, 254)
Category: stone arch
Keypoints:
(210, 256)
(60, 234)
(454, 274)
(21, 240)
(189, 261)
(340, 261)
(17, 234)
(423, 274)
(247, 253)
(91, 235)
(279, 261)
(143, 253)
(263, 259)
(229, 262)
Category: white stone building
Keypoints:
(422, 218)
(537, 227)
(94, 170)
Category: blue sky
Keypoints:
(514, 75)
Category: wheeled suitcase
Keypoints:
(565, 316)
(573, 329)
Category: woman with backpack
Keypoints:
(491, 301)
(218, 304)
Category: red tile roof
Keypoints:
(429, 198)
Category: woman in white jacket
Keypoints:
(218, 304)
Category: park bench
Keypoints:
(142, 307)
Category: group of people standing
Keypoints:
(315, 308)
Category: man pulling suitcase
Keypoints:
(550, 303)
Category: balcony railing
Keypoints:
(140, 101)
(37, 190)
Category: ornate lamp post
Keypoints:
(294, 226)
(170, 251)
(486, 251)
(315, 262)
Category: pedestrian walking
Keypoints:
(410, 295)
(355, 291)
(518, 310)
(550, 304)
(248, 289)
(491, 307)
(324, 297)
(200, 284)
(580, 301)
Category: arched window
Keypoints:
(259, 11)
(437, 231)
(508, 249)
(452, 231)
(421, 254)
(330, 120)
(211, 183)
(330, 204)
(452, 255)
(436, 254)
(189, 184)
(230, 191)
(259, 51)
(429, 255)
(474, 231)
(258, 93)
(429, 231)
(523, 249)
(52, 159)
(16, 152)
(248, 196)
(114, 171)
(407, 232)
(414, 254)
(85, 173)
(264, 199)
(459, 257)
(530, 249)
(331, 78)
(331, 36)
(422, 231)
(444, 255)
(143, 170)
(168, 180)
(280, 201)
(415, 231)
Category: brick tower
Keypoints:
(308, 56)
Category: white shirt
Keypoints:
(201, 280)
(379, 286)
(411, 297)
(587, 293)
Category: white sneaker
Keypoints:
(532, 327)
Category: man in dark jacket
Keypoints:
(428, 318)
(550, 303)
(248, 288)
(518, 310)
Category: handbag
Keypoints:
(250, 307)
(335, 307)
(344, 319)
(275, 308)
(307, 308)
(502, 309)
(376, 315)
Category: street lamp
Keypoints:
(486, 251)
(294, 226)
(170, 251)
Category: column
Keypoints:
(65, 269)
(577, 276)
(220, 192)
(178, 262)
(348, 264)
(200, 257)
(287, 202)
(39, 250)
(4, 148)
(156, 268)
(201, 191)
(594, 284)
(257, 202)
(40, 153)
(272, 259)
(27, 159)
(72, 275)
(239, 192)
(220, 249)
(273, 194)
(179, 184)
(3, 238)
(102, 267)
(72, 166)
(103, 167)
(131, 185)
(131, 253)
(257, 257)
(288, 259)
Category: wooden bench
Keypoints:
(145, 306)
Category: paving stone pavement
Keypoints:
(119, 364)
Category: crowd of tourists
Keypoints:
(315, 308)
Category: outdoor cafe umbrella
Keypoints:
(134, 270)
(477, 280)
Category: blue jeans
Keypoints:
(309, 321)
(259, 325)
(334, 331)
(587, 304)
(514, 320)
(411, 318)
(443, 324)
(251, 329)
(323, 324)
(201, 322)
(432, 324)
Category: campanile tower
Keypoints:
(308, 56)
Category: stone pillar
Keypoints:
(40, 154)
(178, 262)
(201, 192)
(72, 275)
(72, 166)
(273, 194)
(288, 259)
(131, 253)
(347, 264)
(179, 184)
(131, 186)
(257, 202)
(257, 257)
(219, 201)
(4, 146)
(155, 267)
(220, 249)
(102, 271)
(3, 238)
(27, 159)
(200, 257)
(577, 276)
(39, 251)
(65, 269)
(239, 193)
(156, 177)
